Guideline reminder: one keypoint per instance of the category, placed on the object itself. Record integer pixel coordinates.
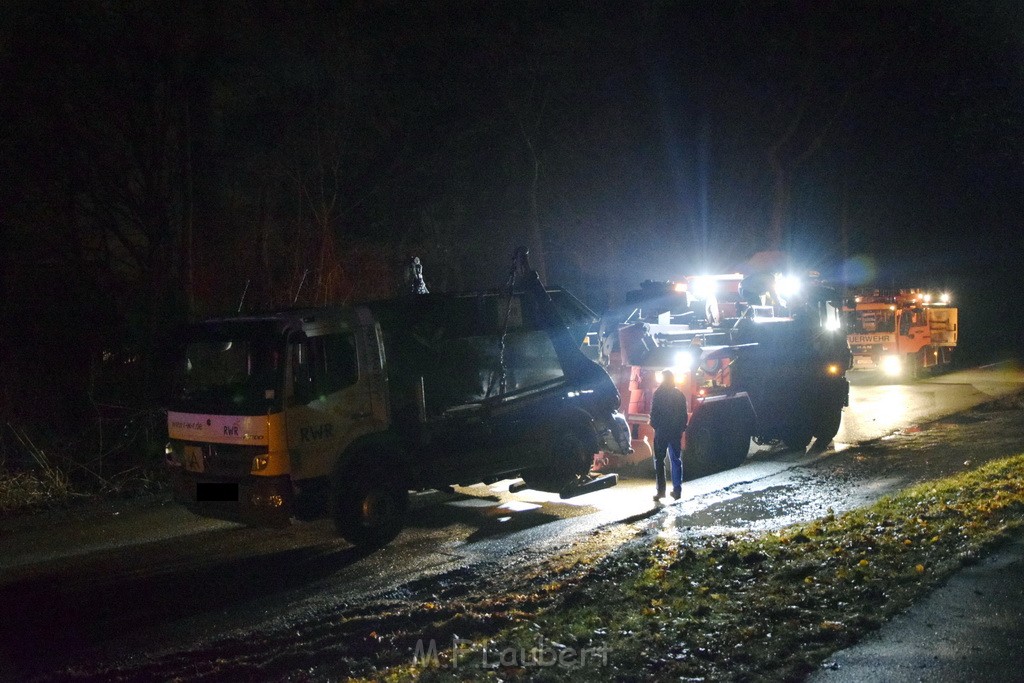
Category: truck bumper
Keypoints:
(260, 501)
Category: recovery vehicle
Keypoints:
(342, 410)
(904, 332)
(752, 364)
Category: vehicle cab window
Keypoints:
(323, 365)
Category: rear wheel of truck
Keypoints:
(370, 504)
(570, 463)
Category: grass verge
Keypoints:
(746, 607)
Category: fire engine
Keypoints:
(904, 332)
(758, 357)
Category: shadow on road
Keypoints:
(52, 622)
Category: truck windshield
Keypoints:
(230, 377)
(874, 321)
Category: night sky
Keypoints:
(161, 158)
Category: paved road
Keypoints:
(879, 407)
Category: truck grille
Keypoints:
(224, 460)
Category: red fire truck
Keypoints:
(755, 357)
(905, 332)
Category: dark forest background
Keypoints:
(159, 159)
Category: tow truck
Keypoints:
(342, 410)
(756, 358)
(902, 332)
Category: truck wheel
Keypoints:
(797, 437)
(826, 426)
(699, 456)
(735, 446)
(570, 463)
(369, 505)
(915, 363)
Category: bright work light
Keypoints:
(703, 287)
(683, 361)
(787, 285)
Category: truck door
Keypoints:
(327, 401)
(914, 333)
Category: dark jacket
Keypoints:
(668, 411)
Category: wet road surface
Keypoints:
(148, 582)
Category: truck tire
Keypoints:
(735, 447)
(701, 456)
(915, 366)
(370, 504)
(826, 426)
(570, 463)
(715, 443)
(797, 437)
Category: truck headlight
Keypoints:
(171, 455)
(892, 366)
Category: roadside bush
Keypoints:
(121, 456)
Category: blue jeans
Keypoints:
(671, 444)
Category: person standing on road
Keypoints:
(668, 419)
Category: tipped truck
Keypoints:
(342, 411)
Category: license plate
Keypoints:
(863, 362)
(217, 492)
(194, 459)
